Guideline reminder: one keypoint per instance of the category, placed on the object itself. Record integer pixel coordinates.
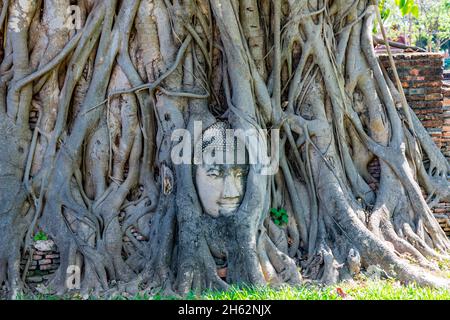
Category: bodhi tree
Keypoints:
(99, 162)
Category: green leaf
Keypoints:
(283, 211)
(285, 219)
(404, 11)
(273, 210)
(277, 222)
(385, 14)
(415, 11)
(447, 4)
(40, 236)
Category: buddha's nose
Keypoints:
(230, 189)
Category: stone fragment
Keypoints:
(44, 245)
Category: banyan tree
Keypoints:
(117, 86)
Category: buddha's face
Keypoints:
(221, 187)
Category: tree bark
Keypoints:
(98, 163)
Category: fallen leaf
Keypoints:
(341, 292)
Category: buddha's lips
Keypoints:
(229, 204)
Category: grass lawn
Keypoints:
(361, 290)
(358, 290)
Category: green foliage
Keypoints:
(40, 296)
(385, 11)
(434, 23)
(405, 7)
(40, 236)
(267, 293)
(424, 23)
(447, 4)
(408, 7)
(361, 290)
(279, 217)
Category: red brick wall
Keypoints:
(42, 265)
(421, 75)
(446, 127)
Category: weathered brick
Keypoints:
(418, 84)
(46, 267)
(414, 72)
(426, 111)
(434, 96)
(45, 261)
(432, 123)
(426, 104)
(52, 256)
(433, 90)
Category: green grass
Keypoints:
(359, 290)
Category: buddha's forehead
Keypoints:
(225, 167)
(226, 155)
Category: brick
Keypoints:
(414, 97)
(427, 111)
(222, 272)
(421, 78)
(414, 72)
(46, 267)
(52, 256)
(426, 104)
(434, 96)
(418, 84)
(432, 123)
(45, 261)
(415, 91)
(433, 90)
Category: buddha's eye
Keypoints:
(240, 173)
(214, 173)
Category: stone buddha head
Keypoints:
(220, 179)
